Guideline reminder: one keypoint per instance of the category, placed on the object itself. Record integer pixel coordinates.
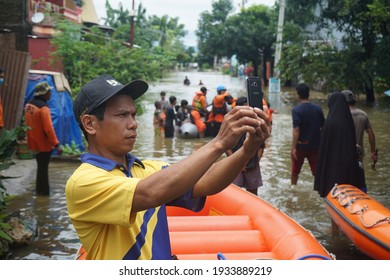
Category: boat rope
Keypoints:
(353, 194)
(351, 197)
(350, 203)
(343, 194)
(314, 256)
(385, 219)
(359, 211)
(333, 191)
(335, 188)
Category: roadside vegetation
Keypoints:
(346, 45)
(7, 149)
(88, 52)
(328, 44)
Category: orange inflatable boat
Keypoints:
(237, 225)
(363, 220)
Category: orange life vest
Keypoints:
(197, 120)
(41, 137)
(219, 108)
(199, 101)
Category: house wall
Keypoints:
(12, 92)
(40, 49)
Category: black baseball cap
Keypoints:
(102, 88)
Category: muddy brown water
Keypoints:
(56, 236)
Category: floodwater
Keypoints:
(56, 236)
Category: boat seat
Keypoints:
(204, 223)
(225, 241)
(230, 256)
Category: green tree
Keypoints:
(116, 17)
(211, 32)
(87, 53)
(318, 63)
(301, 37)
(301, 13)
(151, 32)
(379, 11)
(167, 30)
(363, 31)
(142, 38)
(93, 54)
(251, 35)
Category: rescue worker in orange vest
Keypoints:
(218, 111)
(196, 118)
(41, 137)
(199, 101)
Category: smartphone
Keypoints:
(255, 94)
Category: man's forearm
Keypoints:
(222, 173)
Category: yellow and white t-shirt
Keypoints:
(99, 198)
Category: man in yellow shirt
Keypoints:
(117, 202)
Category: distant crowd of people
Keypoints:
(206, 117)
(334, 156)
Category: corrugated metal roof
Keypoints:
(16, 65)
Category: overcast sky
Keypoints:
(188, 11)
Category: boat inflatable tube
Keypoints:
(188, 130)
(364, 220)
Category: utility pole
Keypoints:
(132, 15)
(279, 37)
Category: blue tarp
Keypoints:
(61, 108)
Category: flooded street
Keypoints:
(57, 238)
